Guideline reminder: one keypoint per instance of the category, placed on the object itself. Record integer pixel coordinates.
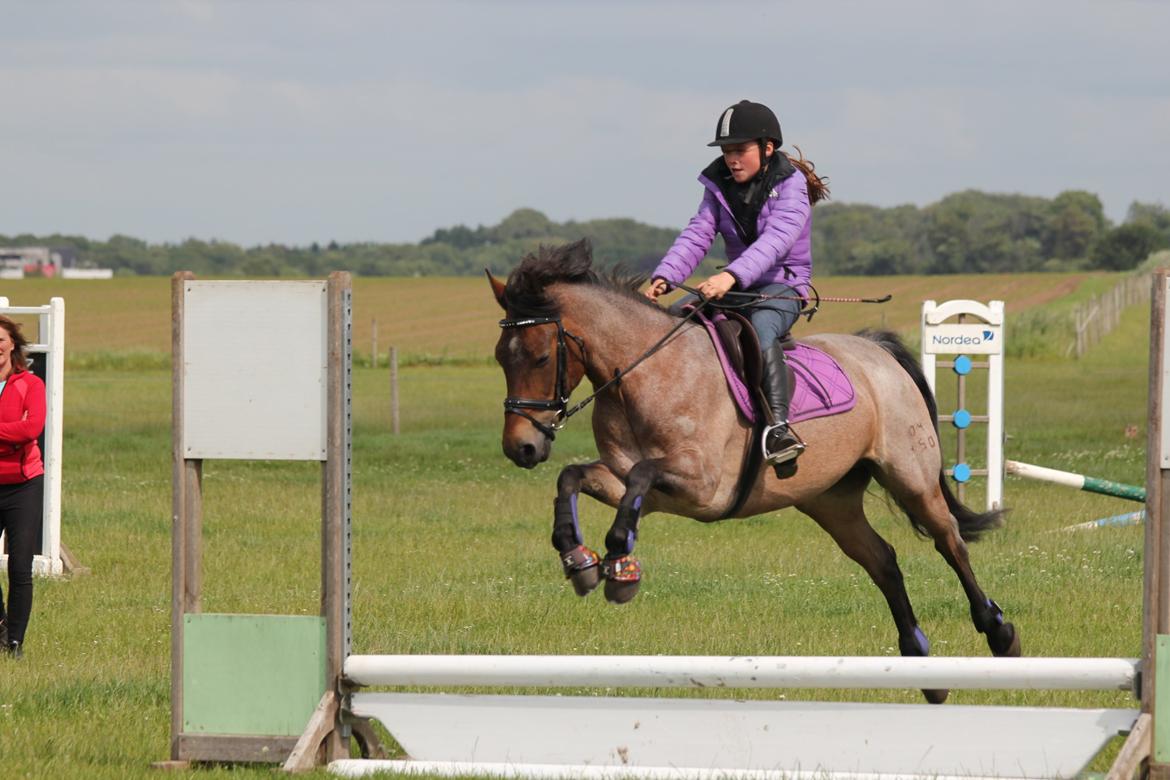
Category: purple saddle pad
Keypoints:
(821, 387)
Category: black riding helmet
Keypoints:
(746, 121)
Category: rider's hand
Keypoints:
(656, 288)
(717, 286)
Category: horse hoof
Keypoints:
(1004, 641)
(586, 580)
(620, 592)
(622, 577)
(935, 695)
(582, 568)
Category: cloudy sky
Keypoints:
(301, 121)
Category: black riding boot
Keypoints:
(781, 444)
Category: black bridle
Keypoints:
(559, 403)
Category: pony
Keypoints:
(670, 439)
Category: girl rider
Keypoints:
(760, 200)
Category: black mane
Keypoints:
(525, 293)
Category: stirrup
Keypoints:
(784, 455)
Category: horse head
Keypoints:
(543, 360)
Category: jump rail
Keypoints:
(1105, 487)
(557, 671)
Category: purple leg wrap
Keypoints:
(566, 533)
(576, 524)
(921, 640)
(997, 613)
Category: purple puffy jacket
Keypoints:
(781, 253)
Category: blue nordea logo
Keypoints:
(988, 335)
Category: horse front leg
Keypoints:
(622, 572)
(581, 564)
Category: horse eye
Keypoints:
(542, 361)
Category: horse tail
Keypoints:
(972, 524)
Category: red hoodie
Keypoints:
(22, 418)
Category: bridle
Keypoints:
(559, 403)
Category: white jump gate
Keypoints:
(610, 737)
(962, 339)
(576, 736)
(47, 349)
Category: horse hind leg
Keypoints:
(841, 513)
(937, 512)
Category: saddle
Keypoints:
(819, 386)
(741, 346)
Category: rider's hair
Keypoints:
(818, 186)
(19, 343)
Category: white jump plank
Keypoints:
(356, 767)
(744, 672)
(895, 740)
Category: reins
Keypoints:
(560, 403)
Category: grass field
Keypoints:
(451, 546)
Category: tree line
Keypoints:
(966, 232)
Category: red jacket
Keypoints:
(22, 418)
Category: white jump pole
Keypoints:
(1079, 481)
(744, 672)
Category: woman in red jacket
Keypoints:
(22, 418)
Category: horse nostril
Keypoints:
(528, 453)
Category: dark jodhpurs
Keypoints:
(20, 519)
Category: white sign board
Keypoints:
(254, 370)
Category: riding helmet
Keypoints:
(746, 121)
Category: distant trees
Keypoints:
(966, 232)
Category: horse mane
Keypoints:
(526, 292)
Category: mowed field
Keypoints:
(451, 549)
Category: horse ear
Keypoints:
(497, 289)
(582, 251)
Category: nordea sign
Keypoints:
(963, 339)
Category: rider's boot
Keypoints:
(781, 444)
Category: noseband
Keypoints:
(560, 402)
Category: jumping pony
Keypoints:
(670, 438)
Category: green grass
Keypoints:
(451, 553)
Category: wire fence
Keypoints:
(1099, 315)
